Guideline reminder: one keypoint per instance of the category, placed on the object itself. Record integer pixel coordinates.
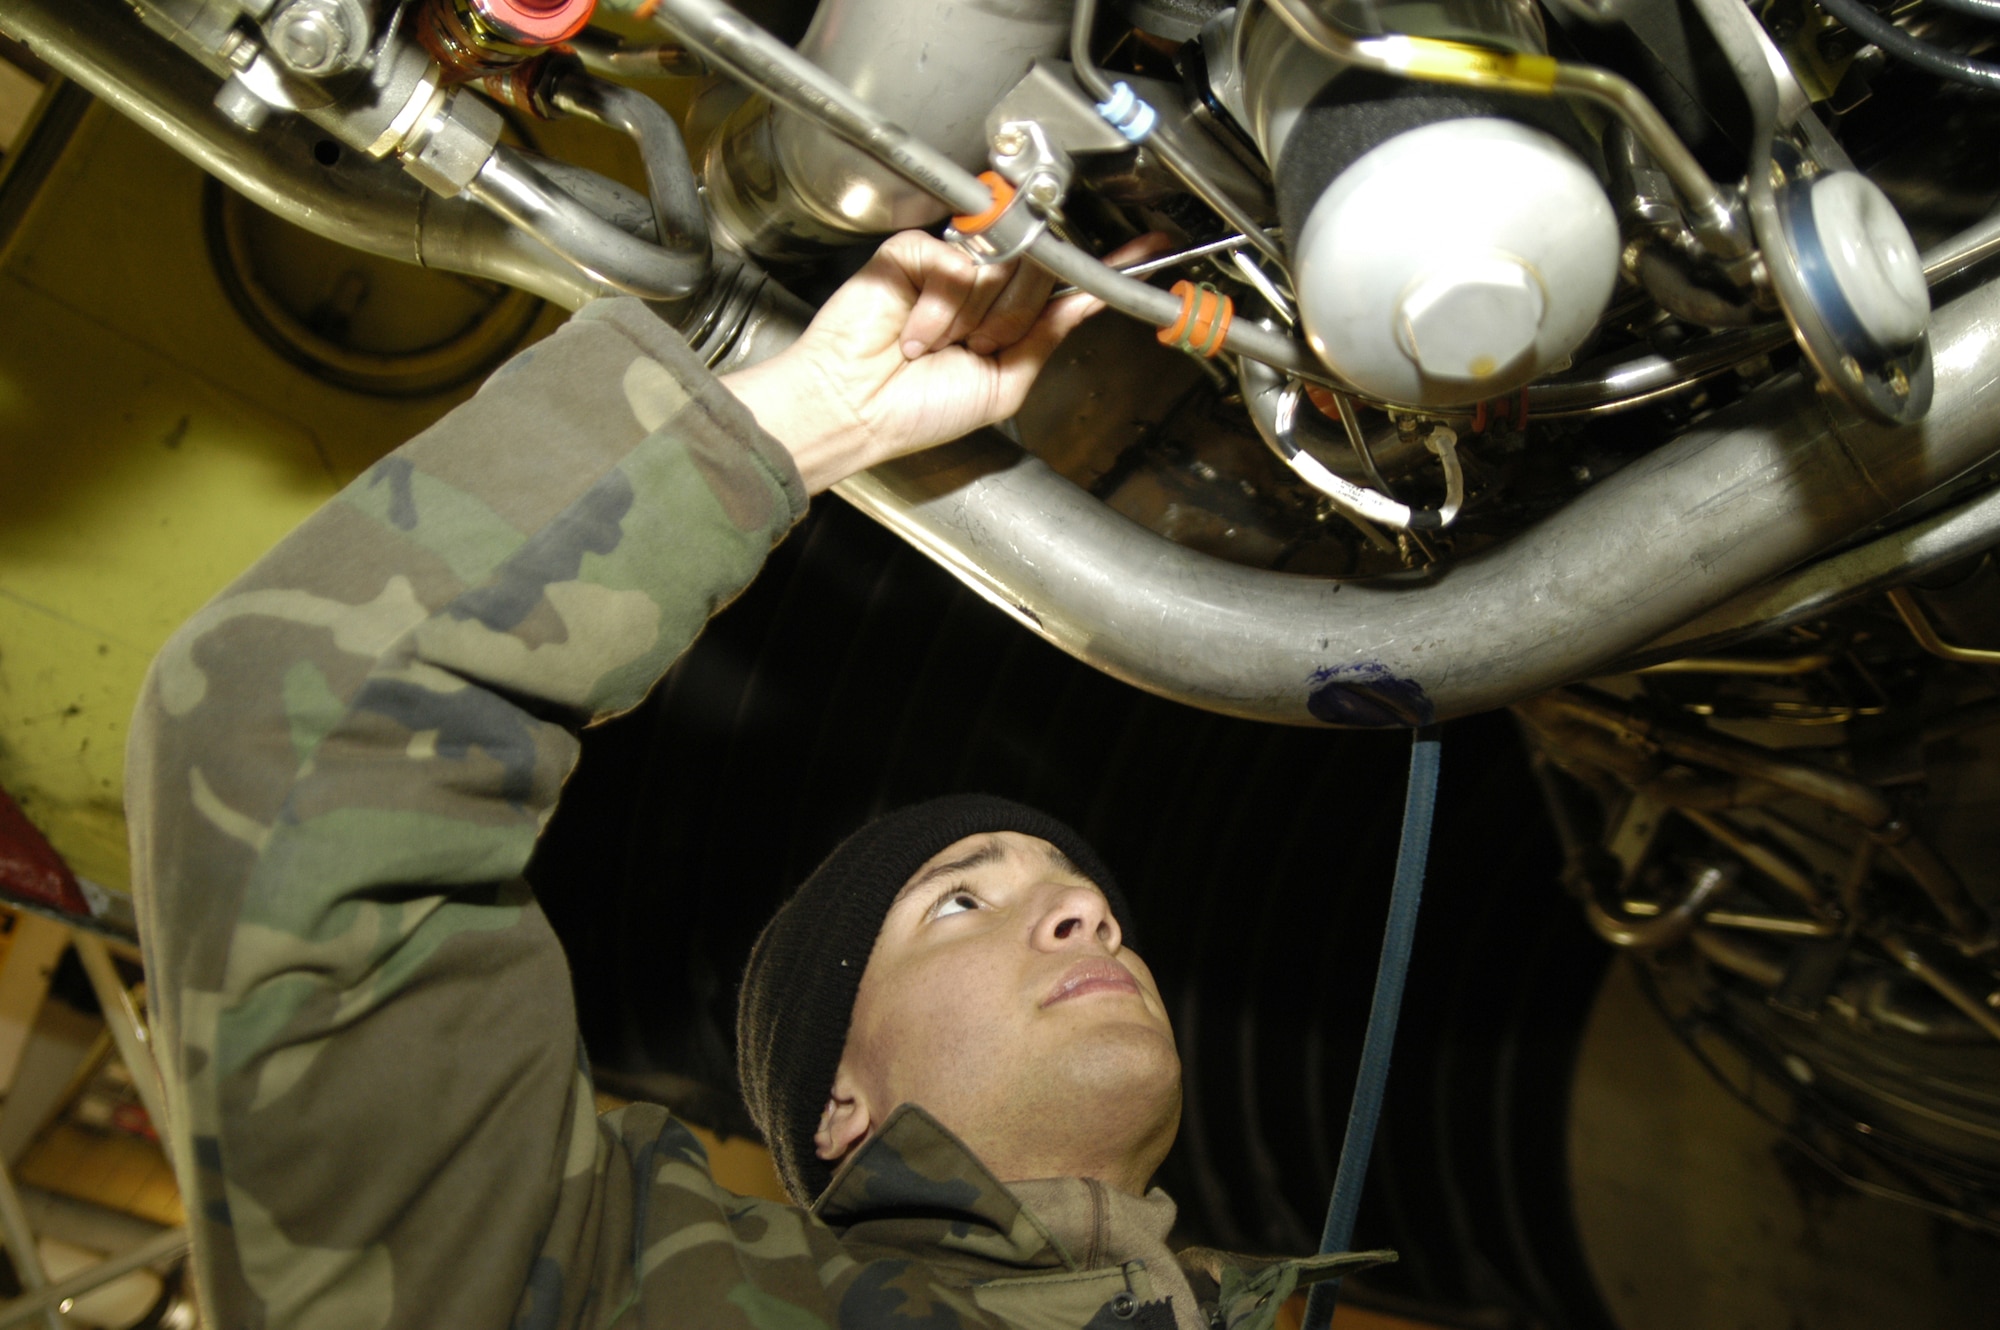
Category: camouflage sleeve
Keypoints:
(337, 773)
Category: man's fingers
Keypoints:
(987, 307)
(988, 284)
(952, 293)
(943, 278)
(1066, 315)
(1071, 310)
(1014, 311)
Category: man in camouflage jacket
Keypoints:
(380, 1110)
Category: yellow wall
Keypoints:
(151, 447)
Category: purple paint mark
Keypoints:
(1367, 696)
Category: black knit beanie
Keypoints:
(798, 990)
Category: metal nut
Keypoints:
(446, 150)
(1009, 140)
(235, 100)
(319, 37)
(1044, 191)
(1470, 319)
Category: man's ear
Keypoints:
(846, 1121)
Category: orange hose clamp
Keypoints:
(1204, 320)
(1003, 194)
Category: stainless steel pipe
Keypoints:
(1600, 390)
(1757, 489)
(935, 65)
(727, 40)
(1820, 588)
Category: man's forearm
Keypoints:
(337, 772)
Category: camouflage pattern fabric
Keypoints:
(380, 1111)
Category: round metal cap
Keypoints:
(1872, 258)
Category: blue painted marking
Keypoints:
(1367, 695)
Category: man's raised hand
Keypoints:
(919, 347)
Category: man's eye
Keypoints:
(957, 902)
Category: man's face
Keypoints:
(1000, 998)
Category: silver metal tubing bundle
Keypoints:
(371, 205)
(1759, 488)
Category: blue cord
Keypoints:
(1419, 804)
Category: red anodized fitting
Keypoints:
(472, 39)
(536, 22)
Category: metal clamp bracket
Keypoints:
(1790, 151)
(1017, 224)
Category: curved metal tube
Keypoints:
(1621, 385)
(1610, 922)
(1357, 501)
(510, 186)
(1976, 244)
(1262, 387)
(1634, 382)
(1885, 1000)
(1927, 636)
(1278, 425)
(677, 206)
(1150, 305)
(1756, 489)
(1920, 961)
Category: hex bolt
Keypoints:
(316, 37)
(239, 50)
(1009, 141)
(1470, 318)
